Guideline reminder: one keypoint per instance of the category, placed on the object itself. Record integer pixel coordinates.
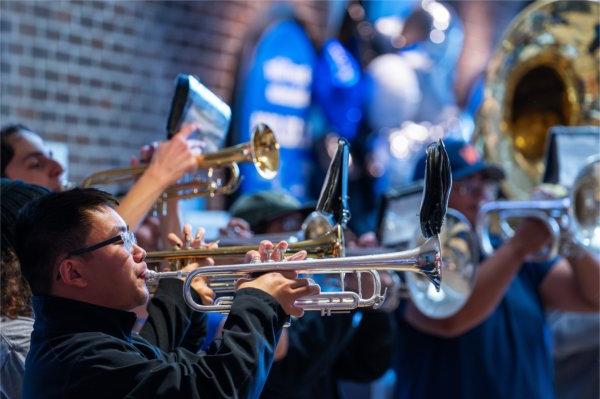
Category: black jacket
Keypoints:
(171, 323)
(325, 349)
(79, 350)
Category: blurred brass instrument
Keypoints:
(329, 244)
(577, 215)
(262, 150)
(544, 73)
(459, 265)
(424, 259)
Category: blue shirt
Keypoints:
(506, 356)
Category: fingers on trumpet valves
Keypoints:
(175, 241)
(300, 255)
(187, 236)
(252, 256)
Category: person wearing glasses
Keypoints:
(168, 321)
(86, 273)
(497, 345)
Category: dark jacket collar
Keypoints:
(60, 315)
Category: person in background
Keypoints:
(25, 157)
(273, 212)
(497, 345)
(316, 352)
(266, 212)
(86, 273)
(16, 317)
(170, 322)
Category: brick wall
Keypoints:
(98, 76)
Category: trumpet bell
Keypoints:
(460, 257)
(585, 206)
(265, 152)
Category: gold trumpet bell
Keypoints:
(265, 152)
(262, 150)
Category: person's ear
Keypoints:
(69, 273)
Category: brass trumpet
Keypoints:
(262, 150)
(330, 244)
(425, 259)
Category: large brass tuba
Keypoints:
(544, 73)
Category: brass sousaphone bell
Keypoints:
(544, 73)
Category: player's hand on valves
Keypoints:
(188, 241)
(284, 286)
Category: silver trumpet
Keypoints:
(577, 215)
(425, 260)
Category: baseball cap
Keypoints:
(264, 206)
(465, 161)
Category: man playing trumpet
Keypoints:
(86, 273)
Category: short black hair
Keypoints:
(7, 150)
(52, 226)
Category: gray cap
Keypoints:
(263, 206)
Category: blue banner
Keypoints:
(276, 90)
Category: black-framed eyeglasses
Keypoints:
(125, 237)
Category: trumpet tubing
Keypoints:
(330, 244)
(262, 150)
(425, 260)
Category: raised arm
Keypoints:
(171, 160)
(573, 284)
(494, 275)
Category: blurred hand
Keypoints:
(236, 228)
(187, 241)
(173, 158)
(531, 236)
(148, 234)
(548, 191)
(368, 240)
(284, 286)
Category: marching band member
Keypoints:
(16, 321)
(497, 345)
(316, 351)
(86, 274)
(25, 157)
(169, 323)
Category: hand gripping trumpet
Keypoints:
(262, 150)
(425, 259)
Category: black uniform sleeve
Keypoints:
(369, 353)
(314, 343)
(237, 368)
(171, 323)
